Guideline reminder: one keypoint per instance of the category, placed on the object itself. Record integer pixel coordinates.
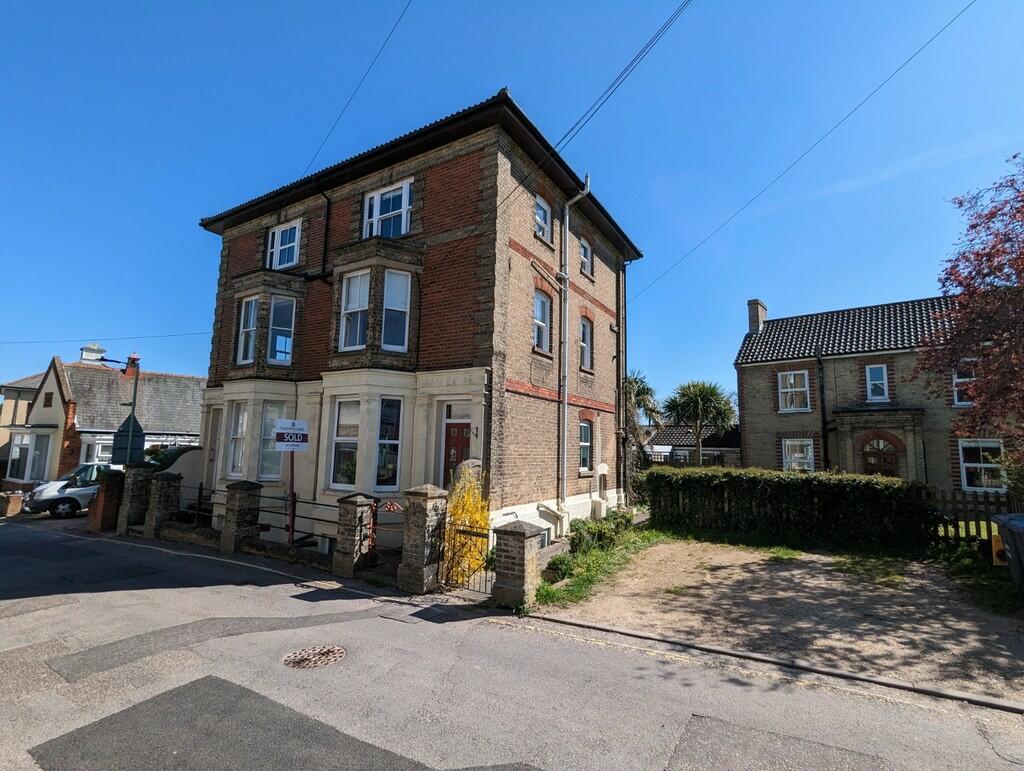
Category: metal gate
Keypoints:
(467, 561)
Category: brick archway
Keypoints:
(867, 436)
(880, 452)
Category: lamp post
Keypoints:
(131, 364)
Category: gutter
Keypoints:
(563, 379)
(824, 416)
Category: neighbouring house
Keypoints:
(78, 406)
(17, 395)
(839, 390)
(677, 446)
(407, 303)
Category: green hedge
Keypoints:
(587, 534)
(843, 510)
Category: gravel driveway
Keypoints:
(915, 626)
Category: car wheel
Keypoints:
(64, 508)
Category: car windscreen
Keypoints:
(68, 475)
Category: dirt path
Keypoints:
(913, 627)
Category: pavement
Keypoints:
(130, 654)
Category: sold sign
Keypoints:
(291, 435)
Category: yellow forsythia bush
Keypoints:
(466, 535)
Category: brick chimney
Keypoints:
(757, 312)
(132, 367)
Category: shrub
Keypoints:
(638, 482)
(839, 510)
(468, 509)
(561, 565)
(587, 534)
(620, 520)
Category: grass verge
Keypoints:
(881, 570)
(988, 586)
(592, 567)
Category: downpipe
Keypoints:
(563, 377)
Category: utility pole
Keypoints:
(131, 365)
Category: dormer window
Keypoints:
(283, 245)
(386, 211)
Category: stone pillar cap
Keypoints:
(244, 484)
(356, 498)
(521, 528)
(427, 491)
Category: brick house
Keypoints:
(406, 302)
(17, 395)
(837, 390)
(78, 406)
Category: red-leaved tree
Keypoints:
(984, 330)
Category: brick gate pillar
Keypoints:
(353, 543)
(425, 517)
(164, 501)
(241, 514)
(516, 568)
(135, 498)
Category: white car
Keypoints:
(66, 496)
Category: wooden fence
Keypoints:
(969, 515)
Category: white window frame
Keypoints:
(586, 258)
(545, 325)
(589, 445)
(28, 449)
(274, 299)
(957, 402)
(961, 443)
(397, 442)
(787, 456)
(236, 439)
(786, 390)
(335, 440)
(345, 287)
(586, 344)
(274, 246)
(542, 229)
(408, 297)
(371, 208)
(885, 382)
(249, 332)
(264, 438)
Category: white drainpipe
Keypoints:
(563, 380)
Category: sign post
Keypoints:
(291, 436)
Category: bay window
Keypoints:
(355, 300)
(395, 335)
(388, 441)
(235, 460)
(282, 329)
(18, 463)
(247, 330)
(387, 211)
(283, 245)
(270, 458)
(346, 444)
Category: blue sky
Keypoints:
(124, 124)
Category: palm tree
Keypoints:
(700, 406)
(638, 400)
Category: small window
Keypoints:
(282, 327)
(586, 258)
(798, 455)
(963, 377)
(387, 211)
(877, 377)
(586, 445)
(794, 392)
(236, 440)
(395, 336)
(283, 245)
(586, 343)
(270, 458)
(981, 465)
(542, 218)
(247, 330)
(880, 457)
(355, 299)
(104, 452)
(346, 444)
(388, 439)
(541, 321)
(48, 399)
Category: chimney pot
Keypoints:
(757, 312)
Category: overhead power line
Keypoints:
(595, 106)
(356, 89)
(805, 153)
(103, 338)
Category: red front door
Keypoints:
(456, 448)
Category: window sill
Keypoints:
(878, 401)
(588, 372)
(245, 363)
(588, 276)
(355, 349)
(586, 473)
(385, 349)
(544, 241)
(996, 490)
(279, 364)
(792, 412)
(542, 353)
(962, 406)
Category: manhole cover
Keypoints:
(319, 656)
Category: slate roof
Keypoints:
(31, 382)
(167, 404)
(889, 327)
(683, 436)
